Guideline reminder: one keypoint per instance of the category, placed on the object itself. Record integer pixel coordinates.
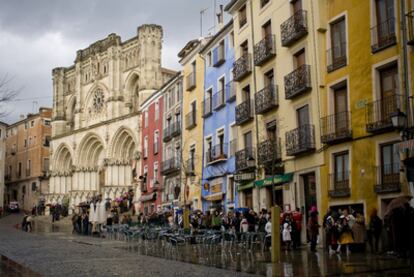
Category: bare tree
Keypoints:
(7, 94)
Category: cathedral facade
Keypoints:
(95, 147)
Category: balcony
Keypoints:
(167, 134)
(218, 99)
(266, 99)
(190, 120)
(245, 159)
(189, 169)
(300, 140)
(207, 107)
(294, 28)
(264, 50)
(191, 81)
(269, 151)
(217, 153)
(383, 35)
(336, 128)
(218, 55)
(410, 26)
(242, 67)
(170, 166)
(298, 82)
(230, 92)
(336, 57)
(388, 177)
(244, 112)
(339, 183)
(175, 129)
(378, 114)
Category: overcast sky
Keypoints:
(38, 35)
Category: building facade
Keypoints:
(27, 159)
(96, 115)
(3, 130)
(219, 131)
(192, 138)
(171, 167)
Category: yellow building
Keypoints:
(277, 69)
(364, 85)
(192, 110)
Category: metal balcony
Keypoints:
(298, 82)
(242, 67)
(269, 151)
(336, 57)
(191, 81)
(230, 91)
(383, 35)
(176, 129)
(388, 177)
(264, 50)
(219, 100)
(217, 153)
(294, 28)
(378, 113)
(190, 120)
(218, 55)
(170, 166)
(410, 26)
(300, 140)
(207, 107)
(245, 159)
(336, 128)
(266, 99)
(339, 183)
(244, 112)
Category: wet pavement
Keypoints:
(10, 268)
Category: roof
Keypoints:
(169, 82)
(229, 5)
(30, 116)
(221, 31)
(188, 47)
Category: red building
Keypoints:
(151, 178)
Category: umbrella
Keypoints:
(396, 203)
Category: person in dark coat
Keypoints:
(313, 229)
(374, 231)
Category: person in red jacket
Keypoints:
(297, 218)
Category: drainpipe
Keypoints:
(403, 31)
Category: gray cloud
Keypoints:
(36, 36)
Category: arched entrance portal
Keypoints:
(61, 175)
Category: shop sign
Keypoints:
(248, 176)
(215, 188)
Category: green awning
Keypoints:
(245, 186)
(277, 179)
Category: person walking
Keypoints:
(313, 229)
(374, 231)
(359, 232)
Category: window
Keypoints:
(248, 142)
(269, 79)
(26, 125)
(384, 10)
(341, 168)
(246, 93)
(19, 172)
(209, 147)
(179, 89)
(303, 115)
(157, 110)
(242, 17)
(337, 54)
(271, 130)
(25, 142)
(220, 138)
(0, 133)
(145, 173)
(221, 87)
(30, 141)
(297, 5)
(47, 141)
(192, 158)
(263, 3)
(46, 164)
(390, 163)
(389, 81)
(146, 147)
(299, 58)
(155, 172)
(156, 139)
(170, 99)
(232, 39)
(47, 122)
(29, 167)
(341, 108)
(32, 123)
(267, 29)
(146, 119)
(244, 48)
(209, 60)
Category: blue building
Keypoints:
(219, 131)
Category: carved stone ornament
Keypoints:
(98, 101)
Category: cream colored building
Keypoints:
(96, 116)
(3, 128)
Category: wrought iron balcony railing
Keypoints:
(336, 128)
(219, 100)
(244, 112)
(264, 50)
(217, 153)
(242, 67)
(266, 99)
(176, 129)
(269, 151)
(207, 107)
(300, 140)
(167, 134)
(378, 113)
(190, 167)
(191, 120)
(339, 184)
(336, 57)
(410, 27)
(294, 28)
(388, 178)
(191, 81)
(383, 35)
(298, 81)
(218, 55)
(170, 166)
(245, 159)
(230, 91)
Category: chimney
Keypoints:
(21, 116)
(220, 18)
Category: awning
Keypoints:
(214, 196)
(147, 197)
(404, 145)
(245, 186)
(277, 180)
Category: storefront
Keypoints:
(266, 187)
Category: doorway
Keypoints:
(309, 186)
(248, 198)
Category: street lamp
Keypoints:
(399, 120)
